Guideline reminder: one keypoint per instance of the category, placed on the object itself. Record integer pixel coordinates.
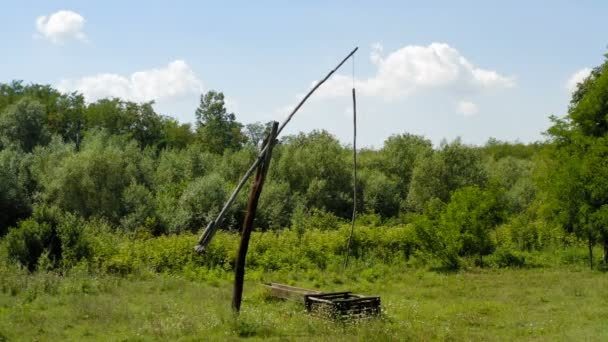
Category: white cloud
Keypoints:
(61, 26)
(467, 108)
(415, 68)
(177, 79)
(577, 78)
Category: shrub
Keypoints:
(505, 257)
(75, 241)
(26, 243)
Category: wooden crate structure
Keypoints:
(343, 305)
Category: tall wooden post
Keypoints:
(252, 204)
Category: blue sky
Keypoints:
(441, 69)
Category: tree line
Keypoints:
(65, 162)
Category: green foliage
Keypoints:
(380, 194)
(23, 124)
(49, 237)
(460, 228)
(515, 177)
(15, 199)
(314, 165)
(441, 241)
(398, 157)
(91, 171)
(505, 257)
(90, 182)
(200, 202)
(75, 240)
(176, 135)
(217, 130)
(26, 243)
(579, 177)
(438, 174)
(275, 206)
(139, 209)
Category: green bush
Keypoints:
(505, 257)
(75, 240)
(26, 243)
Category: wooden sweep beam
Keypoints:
(211, 228)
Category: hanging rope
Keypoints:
(352, 227)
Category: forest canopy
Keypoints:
(66, 164)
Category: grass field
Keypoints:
(553, 304)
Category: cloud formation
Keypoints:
(177, 79)
(467, 108)
(416, 68)
(577, 78)
(61, 26)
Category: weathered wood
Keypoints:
(354, 217)
(293, 112)
(288, 292)
(343, 305)
(254, 196)
(212, 227)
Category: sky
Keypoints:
(440, 69)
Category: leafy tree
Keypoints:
(399, 155)
(438, 174)
(443, 242)
(15, 200)
(200, 202)
(275, 206)
(68, 119)
(10, 93)
(515, 176)
(314, 165)
(90, 182)
(26, 243)
(46, 95)
(110, 115)
(497, 150)
(473, 213)
(256, 132)
(217, 129)
(176, 135)
(138, 202)
(579, 180)
(380, 193)
(462, 227)
(23, 124)
(148, 125)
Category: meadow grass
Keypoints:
(550, 303)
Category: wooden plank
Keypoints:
(288, 292)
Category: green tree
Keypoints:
(380, 193)
(200, 203)
(437, 174)
(15, 201)
(109, 115)
(579, 178)
(460, 228)
(217, 129)
(398, 157)
(68, 119)
(256, 132)
(23, 124)
(315, 166)
(91, 182)
(176, 135)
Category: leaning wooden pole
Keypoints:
(252, 204)
(211, 228)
